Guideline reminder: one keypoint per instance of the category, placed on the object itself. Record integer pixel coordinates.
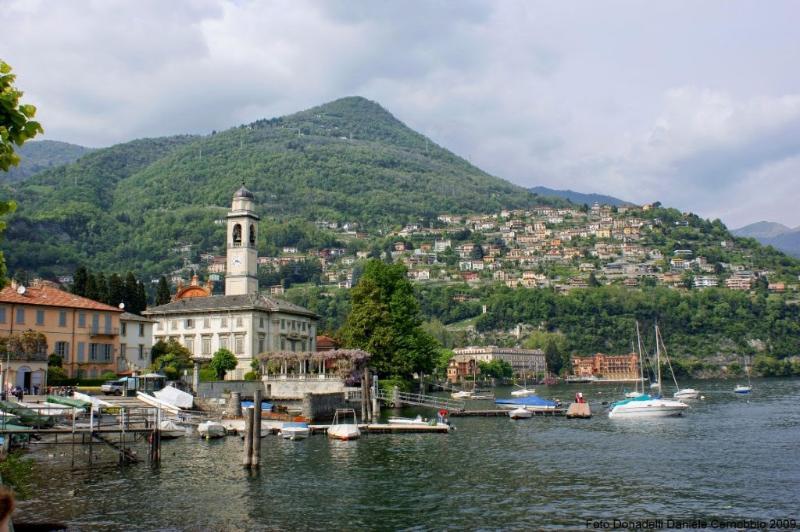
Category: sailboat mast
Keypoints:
(658, 363)
(641, 361)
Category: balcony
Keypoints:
(104, 331)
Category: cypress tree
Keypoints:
(91, 287)
(116, 290)
(141, 298)
(102, 289)
(131, 292)
(79, 281)
(162, 293)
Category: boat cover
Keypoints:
(643, 397)
(175, 397)
(265, 406)
(296, 424)
(531, 400)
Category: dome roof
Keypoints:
(244, 193)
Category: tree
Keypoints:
(222, 362)
(385, 321)
(162, 292)
(141, 297)
(80, 281)
(101, 286)
(499, 369)
(131, 293)
(16, 126)
(553, 357)
(116, 290)
(593, 282)
(170, 358)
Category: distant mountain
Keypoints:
(580, 198)
(37, 156)
(773, 234)
(126, 206)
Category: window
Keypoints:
(100, 352)
(261, 322)
(239, 345)
(62, 318)
(123, 350)
(189, 324)
(189, 344)
(223, 322)
(283, 323)
(173, 324)
(124, 328)
(82, 320)
(160, 326)
(141, 351)
(261, 344)
(283, 344)
(20, 316)
(205, 345)
(302, 326)
(62, 350)
(39, 317)
(206, 323)
(2, 314)
(303, 346)
(239, 321)
(141, 329)
(223, 341)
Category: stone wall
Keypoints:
(213, 389)
(297, 388)
(323, 406)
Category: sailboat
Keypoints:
(636, 393)
(646, 405)
(523, 391)
(472, 394)
(680, 393)
(744, 388)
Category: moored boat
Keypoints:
(340, 429)
(647, 406)
(520, 413)
(407, 420)
(687, 393)
(169, 430)
(211, 429)
(523, 392)
(532, 403)
(743, 388)
(295, 430)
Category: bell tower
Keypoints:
(240, 275)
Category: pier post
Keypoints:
(236, 404)
(256, 457)
(376, 408)
(248, 438)
(196, 376)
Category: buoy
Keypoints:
(702, 397)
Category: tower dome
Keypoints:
(244, 193)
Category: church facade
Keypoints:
(244, 321)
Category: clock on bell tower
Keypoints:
(241, 276)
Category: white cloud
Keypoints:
(682, 102)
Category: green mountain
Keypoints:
(126, 206)
(773, 234)
(38, 156)
(580, 198)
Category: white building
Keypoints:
(136, 340)
(244, 321)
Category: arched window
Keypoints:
(252, 235)
(237, 235)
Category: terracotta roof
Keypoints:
(52, 297)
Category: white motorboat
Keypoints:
(523, 392)
(687, 393)
(647, 406)
(743, 388)
(462, 394)
(211, 429)
(520, 413)
(295, 430)
(419, 420)
(633, 395)
(169, 430)
(340, 428)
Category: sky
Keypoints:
(694, 104)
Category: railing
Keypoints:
(104, 331)
(418, 399)
(302, 377)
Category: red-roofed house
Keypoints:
(85, 333)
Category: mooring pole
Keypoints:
(248, 437)
(376, 409)
(256, 437)
(91, 433)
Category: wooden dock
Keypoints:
(386, 428)
(495, 412)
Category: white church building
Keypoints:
(244, 321)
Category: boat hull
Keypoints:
(295, 433)
(688, 393)
(654, 408)
(520, 413)
(344, 432)
(210, 430)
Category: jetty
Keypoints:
(503, 412)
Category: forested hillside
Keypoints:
(38, 156)
(126, 206)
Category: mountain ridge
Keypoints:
(580, 197)
(773, 234)
(39, 155)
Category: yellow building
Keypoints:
(83, 332)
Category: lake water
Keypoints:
(729, 457)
